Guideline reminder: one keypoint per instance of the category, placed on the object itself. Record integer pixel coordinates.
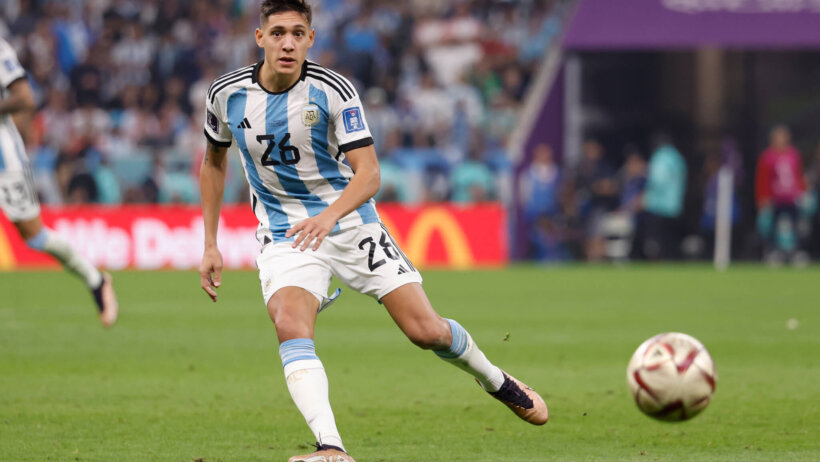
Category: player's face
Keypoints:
(286, 38)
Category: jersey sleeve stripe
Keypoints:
(342, 79)
(346, 95)
(222, 78)
(227, 83)
(335, 78)
(338, 77)
(347, 147)
(221, 144)
(332, 85)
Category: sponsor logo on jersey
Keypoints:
(353, 120)
(213, 123)
(311, 115)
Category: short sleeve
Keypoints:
(216, 128)
(10, 68)
(350, 124)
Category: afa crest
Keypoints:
(311, 115)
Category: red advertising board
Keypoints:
(153, 237)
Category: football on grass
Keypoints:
(672, 377)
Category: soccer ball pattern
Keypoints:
(672, 377)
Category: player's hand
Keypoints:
(313, 230)
(210, 272)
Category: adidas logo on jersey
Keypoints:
(244, 124)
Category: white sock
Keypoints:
(51, 243)
(307, 383)
(465, 354)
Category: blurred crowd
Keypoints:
(598, 210)
(121, 87)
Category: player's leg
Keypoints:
(40, 238)
(293, 311)
(19, 202)
(293, 284)
(410, 308)
(369, 261)
(100, 284)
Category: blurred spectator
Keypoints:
(397, 185)
(632, 182)
(617, 228)
(662, 201)
(539, 190)
(452, 44)
(597, 190)
(540, 185)
(547, 239)
(779, 186)
(382, 118)
(433, 104)
(394, 188)
(82, 189)
(472, 180)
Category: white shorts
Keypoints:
(364, 258)
(18, 196)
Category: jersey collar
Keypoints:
(255, 78)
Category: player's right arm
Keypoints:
(212, 187)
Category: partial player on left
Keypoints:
(18, 197)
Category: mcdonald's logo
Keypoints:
(458, 232)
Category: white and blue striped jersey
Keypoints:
(291, 144)
(12, 152)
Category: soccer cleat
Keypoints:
(525, 402)
(106, 300)
(324, 453)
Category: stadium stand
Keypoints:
(121, 86)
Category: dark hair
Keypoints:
(270, 7)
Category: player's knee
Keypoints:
(430, 335)
(290, 316)
(290, 326)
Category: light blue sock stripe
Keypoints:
(296, 350)
(38, 242)
(460, 341)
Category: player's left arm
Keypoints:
(364, 185)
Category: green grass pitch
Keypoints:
(183, 379)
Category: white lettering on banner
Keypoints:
(102, 245)
(742, 6)
(117, 251)
(151, 243)
(236, 245)
(150, 237)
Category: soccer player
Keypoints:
(309, 158)
(18, 198)
(780, 183)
